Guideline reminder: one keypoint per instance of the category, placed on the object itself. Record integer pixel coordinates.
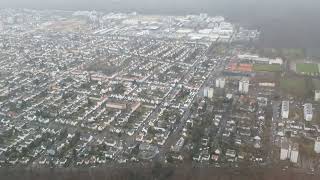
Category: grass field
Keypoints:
(308, 68)
(316, 83)
(267, 67)
(294, 85)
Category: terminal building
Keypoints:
(285, 110)
(308, 113)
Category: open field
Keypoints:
(267, 67)
(316, 83)
(307, 68)
(294, 85)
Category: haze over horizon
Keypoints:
(285, 23)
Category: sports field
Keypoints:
(240, 67)
(267, 67)
(307, 68)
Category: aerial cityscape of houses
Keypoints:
(89, 88)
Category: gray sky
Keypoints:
(261, 8)
(233, 8)
(152, 4)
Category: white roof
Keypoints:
(185, 31)
(205, 31)
(257, 138)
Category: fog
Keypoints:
(284, 22)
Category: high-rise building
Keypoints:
(244, 86)
(289, 151)
(317, 95)
(220, 82)
(294, 153)
(205, 92)
(210, 93)
(284, 151)
(317, 145)
(285, 110)
(308, 113)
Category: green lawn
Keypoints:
(294, 85)
(307, 68)
(267, 67)
(316, 84)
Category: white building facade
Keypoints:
(294, 154)
(308, 112)
(205, 91)
(317, 95)
(210, 93)
(285, 109)
(244, 86)
(289, 151)
(220, 82)
(284, 151)
(317, 145)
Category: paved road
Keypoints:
(174, 137)
(272, 109)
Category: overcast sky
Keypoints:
(152, 4)
(263, 8)
(233, 8)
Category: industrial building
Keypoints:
(258, 59)
(244, 86)
(308, 113)
(285, 110)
